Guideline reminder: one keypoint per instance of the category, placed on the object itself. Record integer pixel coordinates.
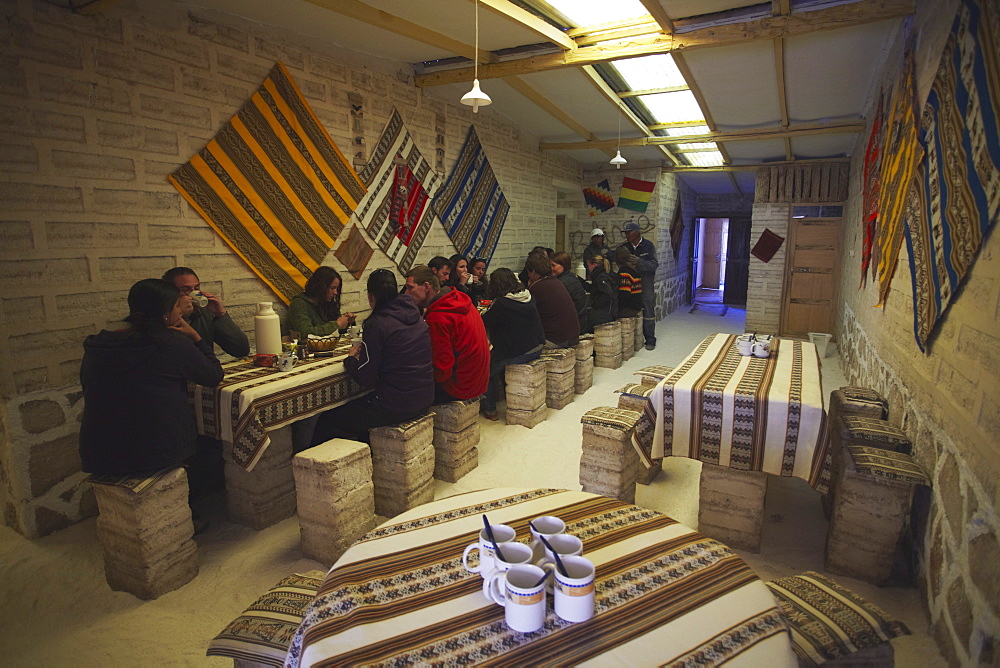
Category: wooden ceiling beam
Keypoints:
(800, 130)
(659, 15)
(771, 27)
(752, 166)
(359, 11)
(591, 36)
(652, 91)
(545, 30)
(553, 110)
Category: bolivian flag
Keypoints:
(635, 194)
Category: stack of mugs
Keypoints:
(520, 577)
(608, 345)
(560, 377)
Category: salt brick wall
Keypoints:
(96, 112)
(765, 283)
(947, 400)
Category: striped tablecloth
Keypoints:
(665, 594)
(250, 400)
(747, 413)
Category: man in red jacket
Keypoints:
(459, 345)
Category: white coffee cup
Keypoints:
(502, 533)
(514, 554)
(521, 591)
(548, 526)
(574, 593)
(761, 349)
(564, 544)
(287, 362)
(744, 345)
(198, 299)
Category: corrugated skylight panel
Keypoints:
(586, 13)
(647, 72)
(703, 158)
(686, 130)
(696, 147)
(676, 107)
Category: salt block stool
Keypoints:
(639, 340)
(145, 531)
(584, 349)
(871, 507)
(560, 377)
(335, 497)
(849, 401)
(628, 338)
(403, 465)
(456, 437)
(583, 375)
(266, 495)
(731, 507)
(526, 390)
(833, 626)
(608, 345)
(262, 633)
(634, 396)
(609, 464)
(652, 375)
(864, 431)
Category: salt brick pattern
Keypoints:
(266, 495)
(731, 507)
(335, 497)
(583, 375)
(868, 517)
(456, 435)
(527, 418)
(146, 538)
(628, 337)
(403, 465)
(608, 345)
(841, 407)
(609, 465)
(526, 392)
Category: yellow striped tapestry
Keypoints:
(900, 155)
(273, 185)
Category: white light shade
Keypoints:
(618, 160)
(476, 98)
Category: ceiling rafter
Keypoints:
(771, 27)
(653, 91)
(544, 29)
(753, 134)
(751, 166)
(780, 8)
(659, 15)
(685, 71)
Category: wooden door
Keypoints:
(711, 255)
(812, 266)
(737, 261)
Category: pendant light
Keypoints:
(618, 160)
(476, 98)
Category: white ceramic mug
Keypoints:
(521, 591)
(548, 526)
(198, 298)
(502, 533)
(761, 349)
(574, 593)
(744, 345)
(287, 362)
(514, 554)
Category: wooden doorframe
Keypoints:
(790, 261)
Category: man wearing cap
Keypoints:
(646, 263)
(596, 247)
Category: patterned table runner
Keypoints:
(747, 413)
(251, 400)
(665, 594)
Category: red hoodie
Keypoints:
(459, 345)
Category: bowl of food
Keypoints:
(321, 344)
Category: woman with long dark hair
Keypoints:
(514, 328)
(136, 416)
(562, 269)
(316, 310)
(461, 278)
(394, 359)
(477, 284)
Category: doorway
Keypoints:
(710, 260)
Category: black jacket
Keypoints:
(513, 326)
(136, 414)
(603, 290)
(577, 290)
(220, 330)
(396, 358)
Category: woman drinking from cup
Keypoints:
(477, 284)
(460, 279)
(317, 309)
(136, 415)
(514, 328)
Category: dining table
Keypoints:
(747, 413)
(665, 594)
(252, 400)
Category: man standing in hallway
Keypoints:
(646, 263)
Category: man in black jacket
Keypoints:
(646, 263)
(603, 292)
(212, 322)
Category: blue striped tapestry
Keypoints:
(955, 198)
(471, 205)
